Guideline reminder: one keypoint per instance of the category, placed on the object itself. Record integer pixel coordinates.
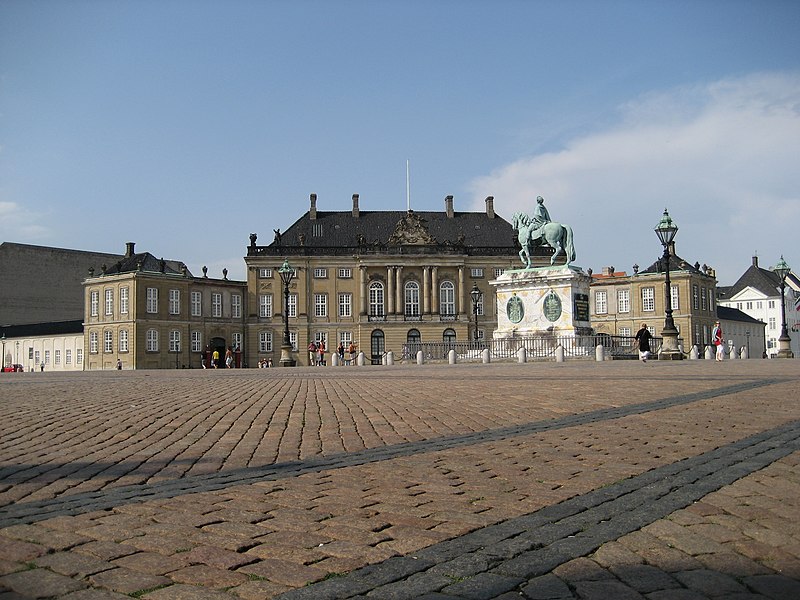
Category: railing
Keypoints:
(536, 347)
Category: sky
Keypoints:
(187, 125)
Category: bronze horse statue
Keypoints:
(555, 235)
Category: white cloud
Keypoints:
(20, 224)
(721, 157)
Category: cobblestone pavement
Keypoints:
(585, 480)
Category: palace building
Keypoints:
(379, 279)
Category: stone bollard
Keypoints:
(389, 358)
(745, 353)
(709, 353)
(334, 359)
(420, 357)
(486, 356)
(694, 354)
(361, 359)
(451, 357)
(732, 353)
(559, 353)
(522, 356)
(599, 353)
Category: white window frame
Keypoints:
(345, 273)
(447, 298)
(291, 309)
(264, 273)
(320, 273)
(345, 305)
(79, 356)
(57, 357)
(411, 296)
(476, 272)
(123, 340)
(197, 341)
(236, 339)
(174, 340)
(108, 341)
(601, 302)
(648, 299)
(236, 306)
(68, 356)
(265, 341)
(377, 306)
(498, 272)
(320, 305)
(94, 343)
(216, 304)
(265, 306)
(94, 303)
(624, 301)
(174, 302)
(197, 304)
(109, 302)
(123, 300)
(675, 297)
(151, 342)
(152, 301)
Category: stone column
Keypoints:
(363, 291)
(398, 288)
(426, 290)
(435, 290)
(390, 290)
(460, 292)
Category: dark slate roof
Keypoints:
(375, 228)
(734, 314)
(144, 261)
(676, 263)
(38, 329)
(762, 280)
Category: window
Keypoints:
(479, 305)
(695, 298)
(152, 340)
(345, 305)
(648, 299)
(108, 341)
(759, 305)
(601, 302)
(93, 343)
(174, 341)
(321, 337)
(376, 299)
(68, 357)
(109, 302)
(413, 338)
(152, 300)
(36, 357)
(345, 273)
(498, 272)
(447, 299)
(236, 306)
(624, 301)
(412, 299)
(265, 273)
(476, 272)
(265, 305)
(749, 304)
(47, 357)
(625, 332)
(345, 337)
(197, 341)
(123, 300)
(57, 357)
(292, 309)
(703, 300)
(197, 304)
(293, 340)
(216, 304)
(265, 341)
(123, 340)
(772, 323)
(320, 273)
(320, 305)
(94, 303)
(771, 303)
(674, 297)
(236, 338)
(449, 336)
(78, 356)
(710, 299)
(174, 302)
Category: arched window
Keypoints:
(447, 299)
(449, 336)
(413, 336)
(377, 346)
(376, 299)
(412, 299)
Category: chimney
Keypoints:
(448, 206)
(129, 249)
(490, 207)
(312, 213)
(355, 205)
(755, 261)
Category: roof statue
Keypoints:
(540, 230)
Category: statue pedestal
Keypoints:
(543, 301)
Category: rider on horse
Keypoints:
(541, 217)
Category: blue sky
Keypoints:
(184, 126)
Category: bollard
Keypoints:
(732, 353)
(599, 353)
(420, 357)
(334, 359)
(694, 354)
(560, 353)
(451, 357)
(745, 353)
(485, 356)
(390, 358)
(709, 353)
(522, 356)
(360, 360)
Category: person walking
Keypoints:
(229, 358)
(215, 358)
(312, 354)
(719, 341)
(643, 342)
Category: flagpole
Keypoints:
(408, 187)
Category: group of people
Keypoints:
(316, 353)
(264, 363)
(211, 359)
(642, 341)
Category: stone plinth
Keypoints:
(550, 301)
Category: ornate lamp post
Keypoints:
(784, 341)
(666, 230)
(3, 366)
(475, 293)
(287, 274)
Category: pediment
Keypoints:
(411, 230)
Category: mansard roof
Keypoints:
(146, 262)
(676, 263)
(762, 280)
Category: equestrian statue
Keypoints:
(539, 229)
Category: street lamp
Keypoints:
(666, 230)
(784, 342)
(2, 368)
(287, 274)
(475, 293)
